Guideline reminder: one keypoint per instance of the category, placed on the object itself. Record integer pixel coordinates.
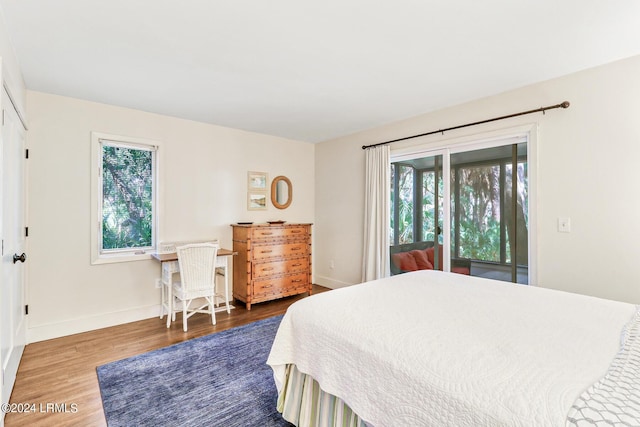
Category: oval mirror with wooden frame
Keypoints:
(281, 192)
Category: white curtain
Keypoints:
(375, 260)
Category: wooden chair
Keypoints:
(197, 280)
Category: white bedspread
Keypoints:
(435, 349)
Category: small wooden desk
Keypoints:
(173, 256)
(169, 265)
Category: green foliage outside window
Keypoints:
(480, 197)
(480, 218)
(406, 205)
(479, 213)
(127, 204)
(429, 229)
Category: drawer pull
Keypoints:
(296, 231)
(267, 286)
(297, 265)
(264, 233)
(296, 249)
(267, 269)
(266, 252)
(296, 281)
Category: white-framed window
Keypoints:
(124, 195)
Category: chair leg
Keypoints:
(213, 310)
(169, 316)
(215, 292)
(169, 308)
(184, 315)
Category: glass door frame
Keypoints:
(447, 147)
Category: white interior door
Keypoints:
(12, 233)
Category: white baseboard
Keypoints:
(330, 283)
(90, 323)
(86, 324)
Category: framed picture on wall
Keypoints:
(257, 181)
(257, 200)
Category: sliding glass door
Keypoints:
(489, 225)
(487, 221)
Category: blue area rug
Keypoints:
(220, 379)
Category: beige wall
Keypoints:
(588, 171)
(203, 178)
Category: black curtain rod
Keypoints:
(564, 104)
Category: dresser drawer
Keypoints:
(269, 233)
(272, 268)
(283, 250)
(280, 285)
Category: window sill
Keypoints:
(116, 258)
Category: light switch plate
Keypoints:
(564, 224)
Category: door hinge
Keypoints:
(26, 232)
(26, 309)
(26, 153)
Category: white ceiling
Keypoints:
(309, 70)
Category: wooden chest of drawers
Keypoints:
(273, 261)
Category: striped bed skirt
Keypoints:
(302, 402)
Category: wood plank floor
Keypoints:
(63, 370)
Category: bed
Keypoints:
(429, 348)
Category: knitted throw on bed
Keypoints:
(614, 399)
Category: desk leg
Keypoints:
(226, 284)
(223, 263)
(162, 300)
(167, 293)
